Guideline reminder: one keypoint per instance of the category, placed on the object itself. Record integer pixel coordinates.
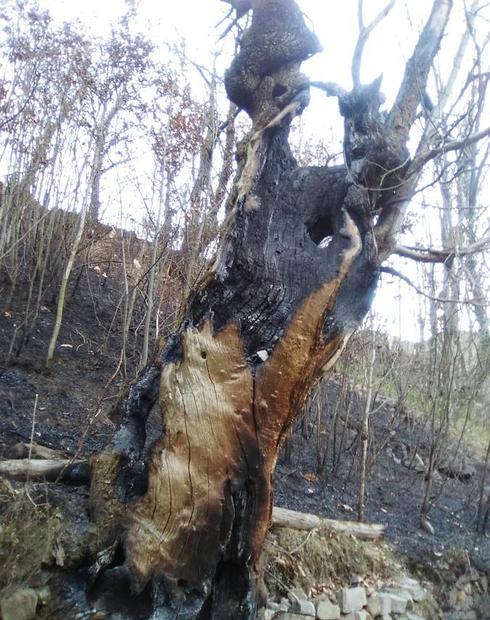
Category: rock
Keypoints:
(326, 610)
(300, 603)
(374, 605)
(398, 603)
(20, 605)
(379, 604)
(304, 607)
(417, 592)
(297, 595)
(357, 615)
(405, 595)
(265, 614)
(351, 599)
(262, 355)
(282, 606)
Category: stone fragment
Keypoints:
(265, 614)
(20, 605)
(351, 599)
(405, 595)
(297, 595)
(262, 355)
(326, 610)
(374, 605)
(282, 606)
(398, 604)
(357, 615)
(304, 607)
(379, 604)
(412, 586)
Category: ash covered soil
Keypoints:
(75, 396)
(395, 485)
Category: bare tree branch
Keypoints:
(454, 145)
(401, 118)
(403, 112)
(395, 272)
(431, 255)
(364, 32)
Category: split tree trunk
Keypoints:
(181, 532)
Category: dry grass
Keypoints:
(323, 561)
(28, 535)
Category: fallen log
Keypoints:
(22, 450)
(283, 517)
(66, 470)
(77, 472)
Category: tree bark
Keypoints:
(181, 532)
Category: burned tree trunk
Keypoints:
(180, 535)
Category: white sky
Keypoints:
(335, 24)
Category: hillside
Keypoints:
(68, 407)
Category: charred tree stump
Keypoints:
(180, 534)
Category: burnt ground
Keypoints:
(76, 394)
(394, 489)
